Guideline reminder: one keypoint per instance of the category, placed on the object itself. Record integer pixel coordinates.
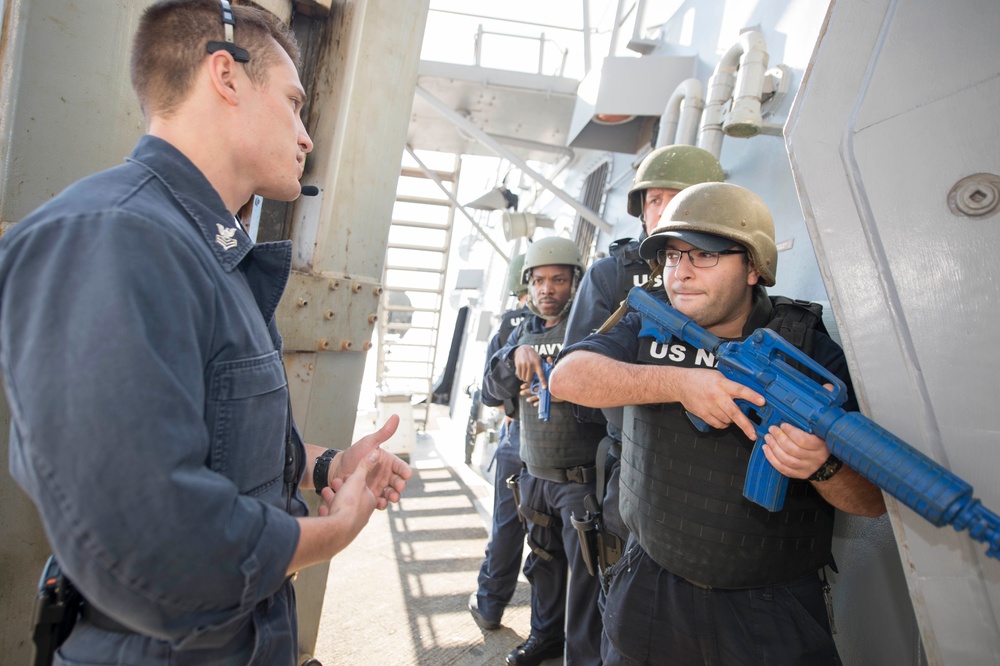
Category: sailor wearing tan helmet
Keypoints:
(707, 576)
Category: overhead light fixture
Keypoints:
(613, 119)
(523, 225)
(499, 198)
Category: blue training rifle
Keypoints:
(544, 397)
(761, 363)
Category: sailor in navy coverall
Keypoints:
(658, 178)
(558, 455)
(150, 419)
(498, 573)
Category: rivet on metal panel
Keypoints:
(377, 291)
(372, 318)
(366, 345)
(329, 314)
(357, 287)
(334, 284)
(301, 302)
(346, 345)
(324, 344)
(977, 195)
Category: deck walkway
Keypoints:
(398, 595)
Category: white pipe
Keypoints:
(748, 56)
(494, 145)
(683, 110)
(640, 20)
(613, 47)
(744, 117)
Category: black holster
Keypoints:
(57, 607)
(589, 530)
(514, 483)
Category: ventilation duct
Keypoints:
(741, 76)
(619, 104)
(679, 122)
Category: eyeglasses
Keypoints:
(228, 23)
(699, 258)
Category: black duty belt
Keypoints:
(580, 474)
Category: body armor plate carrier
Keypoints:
(632, 271)
(682, 490)
(562, 441)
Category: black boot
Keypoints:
(535, 650)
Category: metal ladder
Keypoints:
(416, 268)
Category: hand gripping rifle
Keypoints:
(761, 363)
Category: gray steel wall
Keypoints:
(872, 608)
(899, 107)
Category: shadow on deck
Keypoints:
(399, 593)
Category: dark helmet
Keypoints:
(515, 284)
(673, 168)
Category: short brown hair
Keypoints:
(170, 45)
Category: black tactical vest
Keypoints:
(682, 496)
(562, 441)
(509, 320)
(632, 271)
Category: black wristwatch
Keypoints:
(827, 469)
(321, 471)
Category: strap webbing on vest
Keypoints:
(617, 315)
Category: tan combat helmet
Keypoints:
(553, 251)
(515, 284)
(672, 168)
(721, 209)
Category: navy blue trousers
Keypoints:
(498, 573)
(655, 617)
(564, 594)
